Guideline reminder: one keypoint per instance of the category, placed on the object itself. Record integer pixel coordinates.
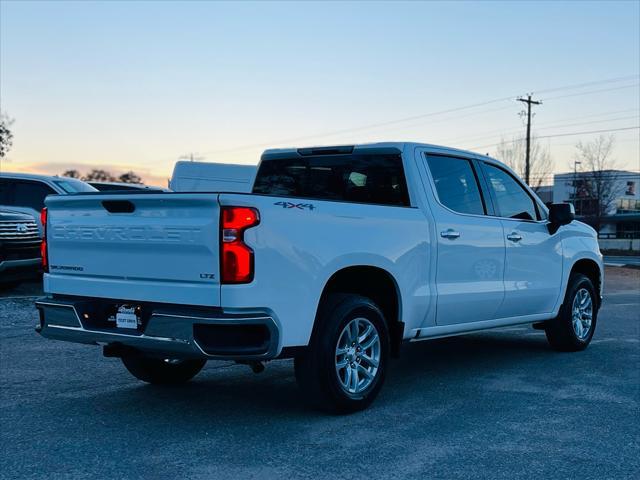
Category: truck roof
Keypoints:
(32, 176)
(401, 146)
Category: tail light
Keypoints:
(44, 255)
(236, 258)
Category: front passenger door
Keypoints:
(533, 262)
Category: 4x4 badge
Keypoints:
(301, 206)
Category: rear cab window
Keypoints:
(374, 178)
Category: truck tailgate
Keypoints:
(149, 247)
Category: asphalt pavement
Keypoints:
(622, 261)
(498, 404)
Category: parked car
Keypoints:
(25, 192)
(119, 186)
(337, 257)
(19, 248)
(212, 177)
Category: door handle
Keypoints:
(514, 237)
(451, 234)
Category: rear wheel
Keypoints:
(345, 364)
(573, 328)
(162, 371)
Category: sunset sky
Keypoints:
(137, 85)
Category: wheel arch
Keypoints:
(592, 270)
(375, 283)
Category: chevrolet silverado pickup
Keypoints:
(337, 257)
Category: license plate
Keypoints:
(126, 318)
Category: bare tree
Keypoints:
(513, 153)
(597, 185)
(71, 173)
(98, 175)
(6, 136)
(130, 177)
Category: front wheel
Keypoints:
(573, 328)
(345, 364)
(162, 371)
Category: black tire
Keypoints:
(560, 331)
(316, 369)
(159, 371)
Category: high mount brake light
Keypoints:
(236, 258)
(44, 254)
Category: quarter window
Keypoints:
(30, 194)
(513, 201)
(456, 184)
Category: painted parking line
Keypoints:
(22, 297)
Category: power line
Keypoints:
(500, 132)
(589, 84)
(635, 139)
(592, 91)
(618, 175)
(561, 135)
(559, 125)
(624, 174)
(447, 119)
(551, 125)
(592, 131)
(364, 127)
(425, 115)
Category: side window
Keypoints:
(5, 192)
(30, 194)
(513, 201)
(456, 184)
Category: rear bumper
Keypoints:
(167, 331)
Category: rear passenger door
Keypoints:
(533, 262)
(471, 245)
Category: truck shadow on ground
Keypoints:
(223, 393)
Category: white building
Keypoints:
(622, 220)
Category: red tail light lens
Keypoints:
(236, 258)
(44, 255)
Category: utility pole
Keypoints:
(527, 168)
(192, 157)
(575, 184)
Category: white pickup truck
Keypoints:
(337, 257)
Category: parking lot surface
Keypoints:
(498, 404)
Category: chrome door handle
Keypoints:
(514, 237)
(451, 234)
